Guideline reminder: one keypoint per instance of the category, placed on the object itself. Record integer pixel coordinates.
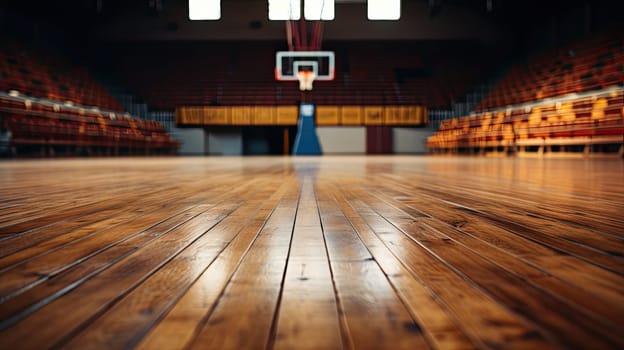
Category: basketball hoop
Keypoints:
(306, 78)
(304, 61)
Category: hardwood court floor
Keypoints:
(317, 253)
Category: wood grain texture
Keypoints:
(308, 305)
(312, 253)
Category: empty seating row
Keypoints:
(592, 64)
(581, 121)
(41, 74)
(32, 122)
(241, 75)
(233, 93)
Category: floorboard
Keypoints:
(312, 253)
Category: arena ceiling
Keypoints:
(501, 10)
(95, 18)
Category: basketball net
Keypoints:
(306, 78)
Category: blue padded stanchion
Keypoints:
(306, 142)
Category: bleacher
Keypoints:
(566, 99)
(49, 106)
(587, 65)
(37, 73)
(54, 128)
(577, 123)
(229, 74)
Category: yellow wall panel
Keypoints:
(216, 115)
(182, 116)
(351, 115)
(263, 115)
(178, 116)
(287, 115)
(194, 116)
(392, 115)
(241, 115)
(408, 116)
(413, 115)
(404, 115)
(327, 115)
(373, 115)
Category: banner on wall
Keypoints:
(373, 115)
(288, 115)
(327, 115)
(241, 115)
(351, 115)
(263, 115)
(217, 116)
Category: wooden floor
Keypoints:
(312, 253)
